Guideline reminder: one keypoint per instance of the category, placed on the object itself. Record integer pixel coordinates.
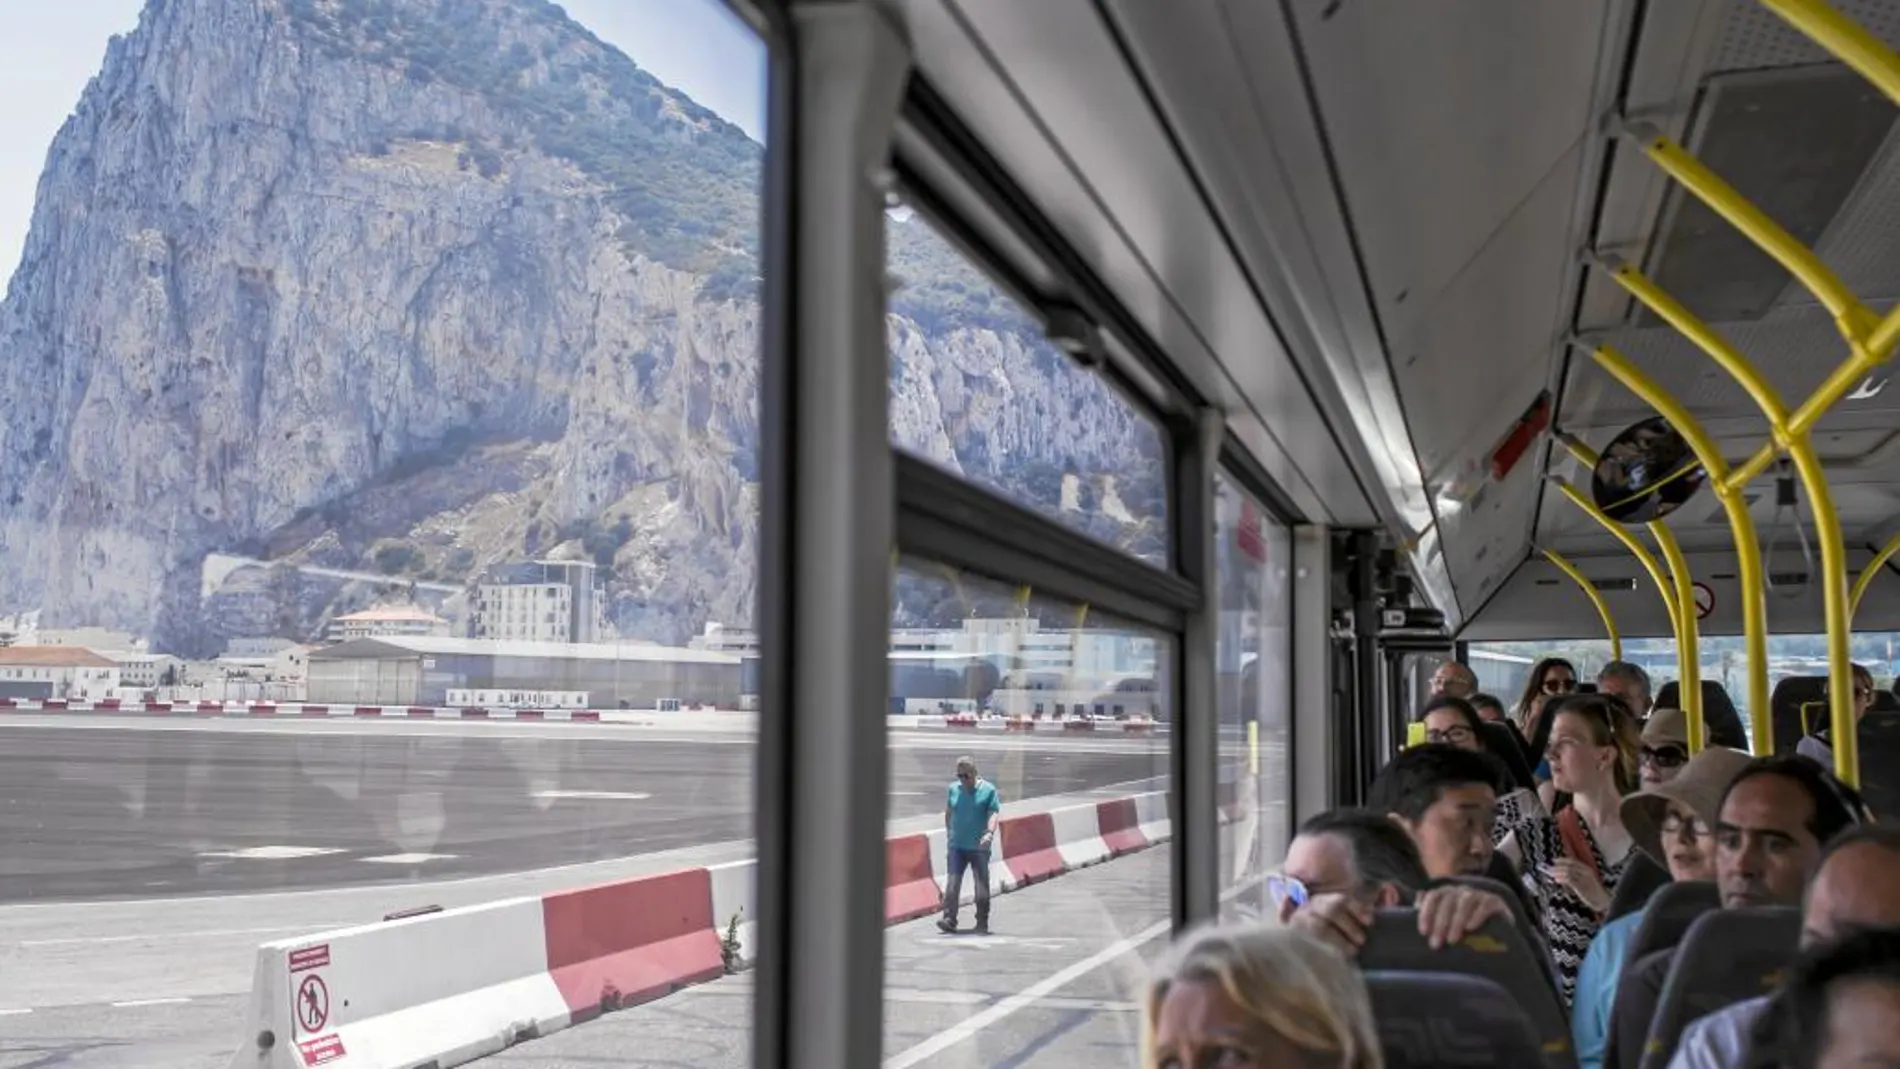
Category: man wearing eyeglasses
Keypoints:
(1819, 745)
(1628, 682)
(971, 811)
(1346, 864)
(1454, 680)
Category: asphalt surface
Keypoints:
(127, 811)
(1057, 984)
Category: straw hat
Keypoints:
(1666, 727)
(1700, 786)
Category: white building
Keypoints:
(68, 672)
(542, 601)
(384, 621)
(264, 646)
(141, 669)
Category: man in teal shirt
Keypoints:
(970, 812)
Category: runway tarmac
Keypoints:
(129, 809)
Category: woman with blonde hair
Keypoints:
(1253, 995)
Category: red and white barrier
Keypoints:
(447, 988)
(114, 707)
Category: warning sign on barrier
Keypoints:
(315, 957)
(320, 1050)
(313, 1004)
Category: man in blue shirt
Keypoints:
(970, 812)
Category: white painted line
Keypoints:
(135, 1003)
(1024, 999)
(15, 1013)
(595, 796)
(273, 853)
(213, 933)
(408, 859)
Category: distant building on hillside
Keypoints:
(422, 671)
(383, 622)
(540, 601)
(257, 646)
(67, 672)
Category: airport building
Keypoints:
(423, 670)
(540, 601)
(56, 672)
(387, 621)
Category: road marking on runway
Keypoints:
(15, 1013)
(1027, 997)
(409, 859)
(273, 853)
(595, 796)
(136, 1003)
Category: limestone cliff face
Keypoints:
(413, 288)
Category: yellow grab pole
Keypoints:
(1754, 592)
(1688, 642)
(1851, 317)
(1596, 598)
(1873, 568)
(1847, 41)
(1840, 673)
(1844, 39)
(1664, 588)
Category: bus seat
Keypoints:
(1719, 716)
(1796, 702)
(1497, 952)
(1642, 878)
(1885, 701)
(1521, 914)
(1880, 762)
(1437, 1020)
(1728, 955)
(1504, 743)
(1673, 908)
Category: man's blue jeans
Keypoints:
(978, 861)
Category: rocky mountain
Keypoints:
(406, 288)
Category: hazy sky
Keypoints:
(50, 49)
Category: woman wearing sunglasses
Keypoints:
(1575, 857)
(1550, 678)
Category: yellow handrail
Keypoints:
(1845, 40)
(1665, 589)
(1873, 568)
(1851, 317)
(1596, 598)
(1689, 644)
(1754, 592)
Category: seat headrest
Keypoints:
(1497, 952)
(1437, 1020)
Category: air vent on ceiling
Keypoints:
(1613, 584)
(1795, 142)
(1787, 579)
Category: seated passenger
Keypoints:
(1452, 721)
(1628, 682)
(1575, 858)
(1490, 707)
(1856, 885)
(1819, 745)
(1454, 680)
(1260, 996)
(1675, 822)
(1665, 746)
(1840, 1009)
(1346, 863)
(1446, 799)
(1549, 678)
